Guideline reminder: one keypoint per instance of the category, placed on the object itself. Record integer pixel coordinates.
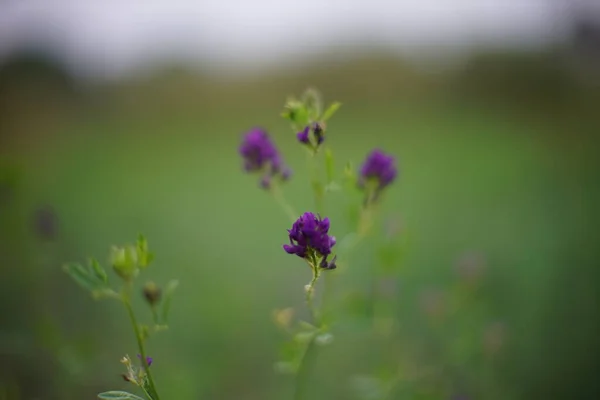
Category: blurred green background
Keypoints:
(498, 158)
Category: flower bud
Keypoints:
(152, 293)
(124, 261)
(144, 257)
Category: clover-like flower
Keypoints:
(318, 135)
(310, 239)
(261, 155)
(378, 168)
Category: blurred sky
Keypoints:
(111, 37)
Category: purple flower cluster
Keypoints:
(261, 155)
(378, 167)
(318, 135)
(310, 239)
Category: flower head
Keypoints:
(380, 168)
(303, 135)
(317, 137)
(310, 239)
(261, 155)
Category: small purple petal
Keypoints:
(148, 359)
(303, 135)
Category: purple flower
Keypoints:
(318, 132)
(303, 135)
(310, 239)
(148, 359)
(380, 168)
(261, 155)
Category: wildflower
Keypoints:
(318, 135)
(379, 168)
(310, 239)
(148, 359)
(303, 135)
(261, 155)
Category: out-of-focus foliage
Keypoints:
(497, 159)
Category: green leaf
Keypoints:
(307, 326)
(296, 112)
(144, 256)
(171, 286)
(118, 395)
(324, 339)
(331, 110)
(312, 103)
(329, 167)
(83, 276)
(98, 270)
(304, 337)
(332, 187)
(284, 367)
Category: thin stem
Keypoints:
(140, 340)
(310, 292)
(308, 356)
(154, 315)
(304, 370)
(280, 199)
(315, 181)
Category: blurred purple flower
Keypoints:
(261, 155)
(148, 359)
(310, 239)
(303, 135)
(318, 132)
(378, 167)
(46, 222)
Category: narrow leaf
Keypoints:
(171, 286)
(331, 110)
(98, 270)
(118, 395)
(82, 276)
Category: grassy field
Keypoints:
(520, 189)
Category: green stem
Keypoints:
(304, 370)
(154, 315)
(306, 361)
(280, 199)
(140, 340)
(310, 292)
(315, 181)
